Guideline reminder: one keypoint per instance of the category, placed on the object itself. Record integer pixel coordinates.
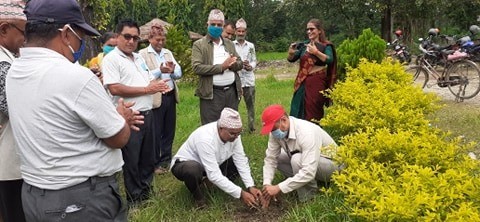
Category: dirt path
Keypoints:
(445, 94)
(282, 70)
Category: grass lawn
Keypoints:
(271, 56)
(172, 201)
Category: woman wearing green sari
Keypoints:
(317, 72)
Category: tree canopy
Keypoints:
(281, 20)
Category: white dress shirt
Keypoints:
(205, 147)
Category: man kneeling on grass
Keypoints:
(294, 148)
(215, 150)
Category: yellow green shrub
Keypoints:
(398, 167)
(408, 176)
(378, 96)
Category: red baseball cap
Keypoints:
(270, 115)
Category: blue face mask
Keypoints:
(78, 54)
(215, 31)
(279, 134)
(107, 49)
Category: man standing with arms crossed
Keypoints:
(127, 75)
(246, 50)
(216, 62)
(66, 128)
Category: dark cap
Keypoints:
(58, 12)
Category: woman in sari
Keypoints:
(316, 74)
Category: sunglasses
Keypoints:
(129, 37)
(309, 29)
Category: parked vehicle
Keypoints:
(397, 50)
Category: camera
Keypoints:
(298, 45)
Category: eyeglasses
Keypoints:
(232, 134)
(309, 29)
(16, 27)
(216, 24)
(129, 37)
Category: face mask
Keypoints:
(279, 134)
(215, 31)
(241, 38)
(107, 49)
(78, 54)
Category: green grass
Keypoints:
(271, 56)
(172, 201)
(460, 119)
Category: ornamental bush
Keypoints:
(408, 176)
(378, 96)
(398, 167)
(368, 46)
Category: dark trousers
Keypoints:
(249, 97)
(11, 201)
(165, 118)
(192, 172)
(97, 199)
(139, 158)
(210, 109)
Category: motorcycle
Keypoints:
(400, 51)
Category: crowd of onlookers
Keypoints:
(68, 131)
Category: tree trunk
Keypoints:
(92, 46)
(387, 24)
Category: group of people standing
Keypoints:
(67, 131)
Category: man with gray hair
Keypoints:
(163, 66)
(12, 26)
(215, 150)
(246, 50)
(216, 62)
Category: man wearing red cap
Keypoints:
(294, 148)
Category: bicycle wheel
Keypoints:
(419, 74)
(463, 79)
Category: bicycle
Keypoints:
(460, 75)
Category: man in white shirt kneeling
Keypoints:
(215, 150)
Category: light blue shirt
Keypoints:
(177, 73)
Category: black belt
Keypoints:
(170, 93)
(294, 152)
(224, 88)
(145, 113)
(91, 182)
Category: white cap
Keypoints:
(230, 119)
(216, 14)
(241, 23)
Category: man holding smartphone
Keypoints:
(163, 66)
